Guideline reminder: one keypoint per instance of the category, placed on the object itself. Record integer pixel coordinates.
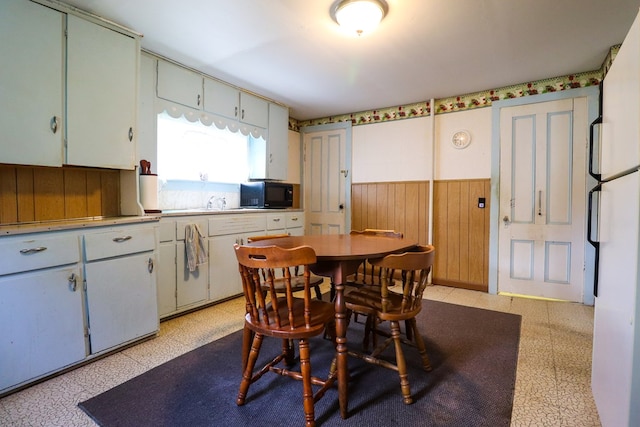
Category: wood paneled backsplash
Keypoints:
(460, 228)
(29, 193)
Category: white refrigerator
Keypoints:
(616, 341)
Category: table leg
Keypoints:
(341, 356)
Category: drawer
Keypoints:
(276, 221)
(167, 230)
(235, 224)
(32, 252)
(116, 242)
(181, 226)
(295, 220)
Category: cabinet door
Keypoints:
(221, 99)
(102, 68)
(223, 266)
(277, 157)
(41, 324)
(121, 300)
(177, 84)
(31, 83)
(192, 286)
(253, 110)
(167, 279)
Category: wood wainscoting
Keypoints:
(29, 193)
(400, 206)
(460, 228)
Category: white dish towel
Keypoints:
(195, 247)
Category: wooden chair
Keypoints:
(296, 282)
(286, 318)
(369, 275)
(386, 306)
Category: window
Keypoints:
(191, 151)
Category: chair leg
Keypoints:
(307, 391)
(401, 363)
(248, 370)
(426, 363)
(288, 352)
(247, 338)
(318, 292)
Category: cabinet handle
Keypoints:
(33, 250)
(198, 99)
(130, 134)
(150, 265)
(242, 114)
(73, 281)
(54, 124)
(235, 112)
(276, 219)
(121, 239)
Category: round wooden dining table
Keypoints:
(339, 256)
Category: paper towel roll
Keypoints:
(149, 192)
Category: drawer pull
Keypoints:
(121, 239)
(276, 219)
(150, 265)
(73, 279)
(295, 218)
(33, 250)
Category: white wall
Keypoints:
(401, 150)
(469, 163)
(392, 151)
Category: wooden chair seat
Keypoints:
(283, 317)
(321, 314)
(382, 305)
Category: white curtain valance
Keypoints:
(208, 119)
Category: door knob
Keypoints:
(505, 220)
(341, 206)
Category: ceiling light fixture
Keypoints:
(359, 16)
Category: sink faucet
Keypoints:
(221, 203)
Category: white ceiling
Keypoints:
(293, 52)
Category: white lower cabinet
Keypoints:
(42, 327)
(59, 308)
(224, 232)
(167, 268)
(41, 324)
(120, 277)
(179, 289)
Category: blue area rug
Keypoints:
(473, 353)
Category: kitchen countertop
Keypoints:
(99, 221)
(185, 212)
(70, 224)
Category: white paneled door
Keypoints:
(542, 199)
(325, 174)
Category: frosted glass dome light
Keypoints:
(359, 16)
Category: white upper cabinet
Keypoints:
(31, 84)
(102, 68)
(180, 85)
(278, 142)
(232, 103)
(253, 110)
(221, 99)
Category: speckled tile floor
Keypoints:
(552, 382)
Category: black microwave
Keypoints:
(266, 194)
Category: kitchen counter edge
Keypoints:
(73, 224)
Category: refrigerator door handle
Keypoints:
(596, 176)
(594, 243)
